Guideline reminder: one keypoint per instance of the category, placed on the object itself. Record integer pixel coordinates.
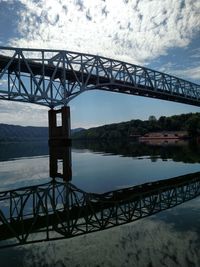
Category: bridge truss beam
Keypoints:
(53, 78)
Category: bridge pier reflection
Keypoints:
(60, 162)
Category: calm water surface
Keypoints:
(169, 238)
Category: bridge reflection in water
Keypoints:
(59, 210)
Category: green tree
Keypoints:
(193, 125)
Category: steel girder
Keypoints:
(53, 78)
(58, 210)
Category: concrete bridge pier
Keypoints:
(60, 126)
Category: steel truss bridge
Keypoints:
(53, 78)
(58, 210)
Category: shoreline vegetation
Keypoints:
(174, 127)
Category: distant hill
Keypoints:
(15, 132)
(23, 133)
(76, 130)
(185, 122)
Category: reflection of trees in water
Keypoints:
(187, 152)
(23, 149)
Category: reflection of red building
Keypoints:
(164, 135)
(165, 142)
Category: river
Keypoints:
(167, 238)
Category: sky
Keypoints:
(160, 34)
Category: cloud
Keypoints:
(134, 31)
(19, 173)
(143, 243)
(9, 19)
(190, 73)
(195, 53)
(23, 114)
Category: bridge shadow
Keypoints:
(59, 210)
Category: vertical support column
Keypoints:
(66, 122)
(60, 133)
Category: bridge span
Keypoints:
(53, 78)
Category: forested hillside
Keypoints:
(18, 133)
(184, 122)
